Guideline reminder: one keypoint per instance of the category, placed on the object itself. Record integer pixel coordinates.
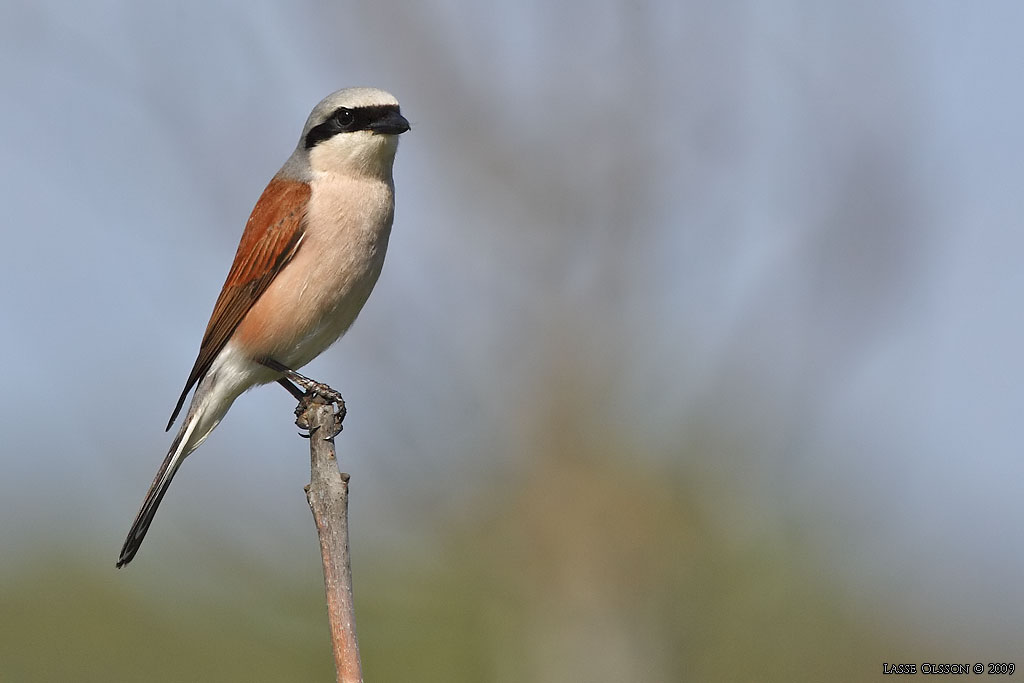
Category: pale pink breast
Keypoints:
(317, 296)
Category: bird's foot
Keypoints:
(314, 388)
(317, 392)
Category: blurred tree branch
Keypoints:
(327, 494)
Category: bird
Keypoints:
(309, 256)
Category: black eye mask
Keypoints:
(384, 118)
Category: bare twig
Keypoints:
(327, 494)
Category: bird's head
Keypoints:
(353, 132)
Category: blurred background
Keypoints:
(696, 355)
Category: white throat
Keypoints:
(360, 154)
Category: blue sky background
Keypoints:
(799, 222)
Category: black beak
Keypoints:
(392, 123)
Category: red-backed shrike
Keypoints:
(310, 254)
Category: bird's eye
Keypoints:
(345, 118)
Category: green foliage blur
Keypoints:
(588, 563)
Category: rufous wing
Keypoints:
(270, 240)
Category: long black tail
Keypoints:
(156, 492)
